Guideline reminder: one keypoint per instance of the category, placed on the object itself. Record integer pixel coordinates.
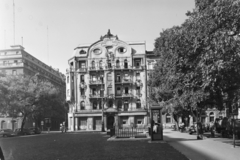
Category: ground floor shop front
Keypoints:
(106, 120)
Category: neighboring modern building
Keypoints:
(17, 61)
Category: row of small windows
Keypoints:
(120, 104)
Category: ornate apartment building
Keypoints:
(106, 85)
(16, 60)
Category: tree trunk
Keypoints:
(23, 122)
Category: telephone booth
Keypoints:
(156, 130)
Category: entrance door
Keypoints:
(110, 122)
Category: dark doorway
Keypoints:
(110, 122)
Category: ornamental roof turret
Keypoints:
(108, 35)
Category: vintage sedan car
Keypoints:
(25, 131)
(7, 133)
(35, 130)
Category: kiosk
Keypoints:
(156, 130)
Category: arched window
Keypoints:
(100, 64)
(119, 104)
(168, 118)
(93, 64)
(138, 103)
(117, 64)
(125, 105)
(125, 63)
(211, 117)
(82, 105)
(110, 103)
(95, 105)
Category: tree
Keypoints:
(29, 96)
(199, 61)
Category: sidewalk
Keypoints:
(206, 149)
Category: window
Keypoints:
(14, 72)
(82, 52)
(118, 78)
(119, 104)
(109, 90)
(15, 61)
(101, 78)
(211, 117)
(82, 105)
(138, 76)
(126, 77)
(126, 90)
(93, 64)
(110, 103)
(125, 105)
(72, 79)
(94, 91)
(109, 76)
(94, 78)
(117, 64)
(138, 103)
(82, 91)
(137, 63)
(125, 63)
(68, 92)
(124, 120)
(82, 78)
(109, 64)
(97, 51)
(94, 105)
(100, 64)
(122, 50)
(118, 91)
(168, 118)
(82, 64)
(138, 91)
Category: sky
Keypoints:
(51, 29)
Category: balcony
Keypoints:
(124, 95)
(91, 82)
(138, 83)
(96, 96)
(110, 96)
(138, 95)
(82, 70)
(82, 96)
(7, 65)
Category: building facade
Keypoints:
(16, 60)
(106, 85)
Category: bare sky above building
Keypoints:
(51, 29)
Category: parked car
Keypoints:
(25, 131)
(7, 133)
(36, 130)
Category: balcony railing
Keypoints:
(91, 82)
(82, 70)
(12, 65)
(124, 95)
(97, 96)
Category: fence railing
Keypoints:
(130, 132)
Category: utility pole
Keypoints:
(13, 23)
